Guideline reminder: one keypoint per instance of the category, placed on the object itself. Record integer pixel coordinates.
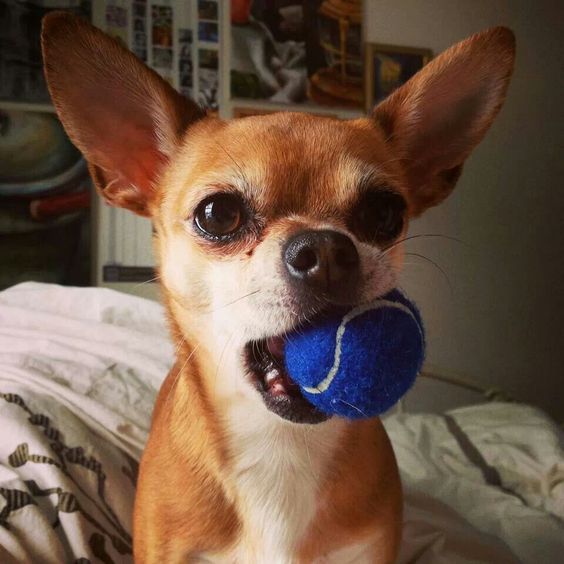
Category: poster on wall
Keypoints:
(185, 63)
(296, 51)
(116, 23)
(208, 10)
(139, 38)
(208, 74)
(208, 21)
(162, 40)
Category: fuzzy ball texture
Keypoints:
(361, 362)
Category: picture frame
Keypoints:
(387, 67)
(298, 52)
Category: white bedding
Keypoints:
(79, 371)
(500, 465)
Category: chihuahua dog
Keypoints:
(261, 224)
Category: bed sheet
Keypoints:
(79, 373)
(500, 465)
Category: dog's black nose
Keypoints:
(324, 260)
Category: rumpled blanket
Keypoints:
(79, 373)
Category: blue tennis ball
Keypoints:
(359, 363)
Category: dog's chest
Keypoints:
(277, 471)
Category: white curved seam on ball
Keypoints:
(327, 381)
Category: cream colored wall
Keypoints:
(501, 322)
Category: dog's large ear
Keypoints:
(123, 116)
(435, 120)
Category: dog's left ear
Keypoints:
(435, 120)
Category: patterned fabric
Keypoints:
(68, 487)
(79, 371)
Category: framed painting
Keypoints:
(387, 67)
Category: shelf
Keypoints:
(26, 107)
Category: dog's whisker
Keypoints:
(237, 165)
(255, 349)
(181, 342)
(177, 299)
(400, 268)
(354, 407)
(313, 474)
(232, 302)
(180, 302)
(157, 277)
(179, 374)
(221, 356)
(436, 265)
(386, 250)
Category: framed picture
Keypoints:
(208, 10)
(389, 66)
(208, 31)
(298, 51)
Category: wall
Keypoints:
(498, 320)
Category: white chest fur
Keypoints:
(277, 471)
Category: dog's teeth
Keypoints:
(275, 383)
(271, 375)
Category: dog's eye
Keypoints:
(378, 217)
(220, 215)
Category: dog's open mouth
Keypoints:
(265, 362)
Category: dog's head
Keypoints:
(264, 222)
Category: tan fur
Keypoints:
(222, 478)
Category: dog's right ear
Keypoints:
(434, 121)
(123, 116)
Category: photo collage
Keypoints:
(180, 42)
(117, 19)
(195, 26)
(185, 63)
(139, 38)
(162, 40)
(208, 53)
